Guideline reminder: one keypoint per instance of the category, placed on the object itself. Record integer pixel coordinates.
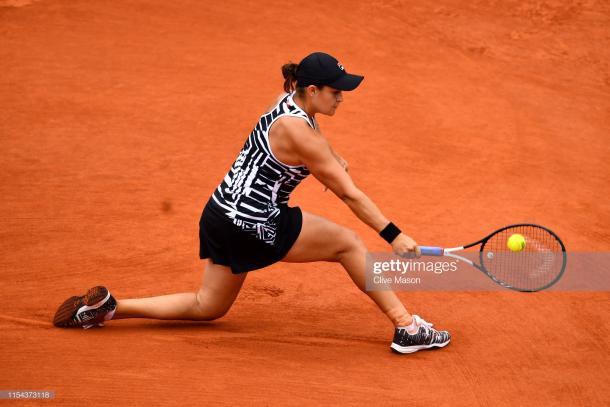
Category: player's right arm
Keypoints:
(314, 151)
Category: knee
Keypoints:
(350, 242)
(209, 306)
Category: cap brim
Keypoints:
(347, 82)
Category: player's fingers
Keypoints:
(408, 254)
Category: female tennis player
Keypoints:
(247, 223)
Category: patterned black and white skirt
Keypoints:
(229, 245)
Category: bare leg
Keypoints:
(213, 300)
(323, 240)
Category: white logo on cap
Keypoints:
(340, 66)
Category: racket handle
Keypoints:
(431, 251)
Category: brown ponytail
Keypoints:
(289, 71)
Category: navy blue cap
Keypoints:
(321, 69)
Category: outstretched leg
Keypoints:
(323, 240)
(218, 291)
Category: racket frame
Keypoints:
(439, 251)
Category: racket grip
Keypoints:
(431, 251)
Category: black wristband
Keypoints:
(390, 232)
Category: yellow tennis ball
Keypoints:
(516, 242)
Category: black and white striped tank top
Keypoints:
(258, 184)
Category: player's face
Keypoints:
(327, 99)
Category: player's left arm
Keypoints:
(340, 160)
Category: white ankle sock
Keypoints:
(109, 315)
(412, 329)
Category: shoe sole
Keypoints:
(73, 306)
(412, 349)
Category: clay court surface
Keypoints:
(118, 119)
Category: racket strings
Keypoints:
(537, 265)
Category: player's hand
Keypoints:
(404, 246)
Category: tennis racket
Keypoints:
(538, 265)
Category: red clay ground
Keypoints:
(118, 119)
